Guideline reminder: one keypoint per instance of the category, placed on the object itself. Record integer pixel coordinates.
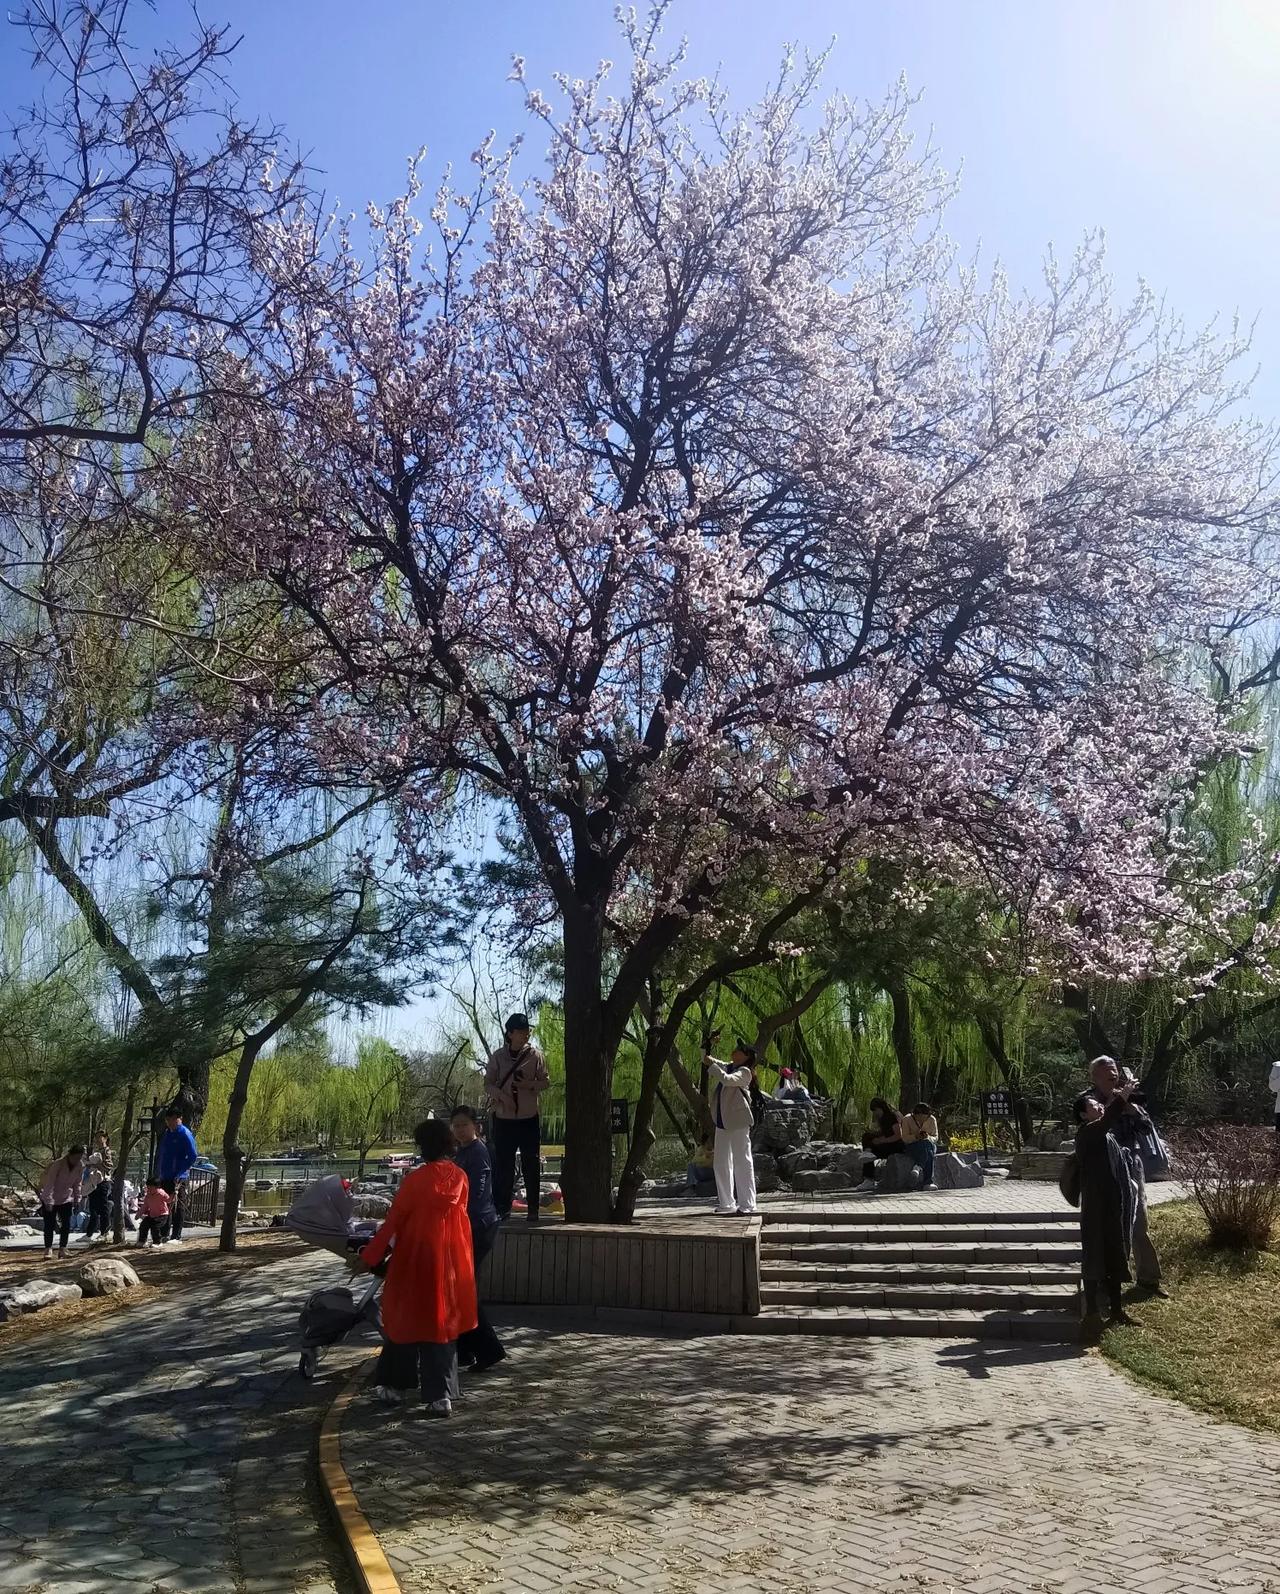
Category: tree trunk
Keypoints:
(642, 1135)
(697, 1100)
(904, 1045)
(1089, 1028)
(992, 1032)
(588, 1072)
(232, 1156)
(668, 1107)
(122, 1163)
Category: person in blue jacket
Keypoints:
(175, 1158)
(479, 1348)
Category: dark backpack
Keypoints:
(1069, 1180)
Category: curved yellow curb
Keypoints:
(373, 1571)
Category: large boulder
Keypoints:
(767, 1179)
(371, 1206)
(896, 1175)
(107, 1275)
(821, 1179)
(34, 1296)
(783, 1128)
(951, 1172)
(850, 1159)
(807, 1157)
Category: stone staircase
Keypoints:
(959, 1274)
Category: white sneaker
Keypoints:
(387, 1396)
(440, 1408)
(747, 1212)
(726, 1212)
(173, 1242)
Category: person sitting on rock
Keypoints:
(882, 1139)
(920, 1139)
(701, 1169)
(789, 1089)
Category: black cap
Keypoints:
(517, 1021)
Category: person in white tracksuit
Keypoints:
(1273, 1084)
(731, 1111)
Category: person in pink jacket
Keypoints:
(59, 1192)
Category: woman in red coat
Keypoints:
(430, 1294)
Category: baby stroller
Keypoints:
(322, 1216)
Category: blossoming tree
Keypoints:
(689, 502)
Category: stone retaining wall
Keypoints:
(712, 1268)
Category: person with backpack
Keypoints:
(1132, 1129)
(514, 1079)
(734, 1118)
(1108, 1199)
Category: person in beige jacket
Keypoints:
(731, 1110)
(514, 1079)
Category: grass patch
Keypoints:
(1216, 1343)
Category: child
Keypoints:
(154, 1212)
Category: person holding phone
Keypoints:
(1107, 1080)
(1108, 1202)
(734, 1119)
(514, 1079)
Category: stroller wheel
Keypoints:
(307, 1364)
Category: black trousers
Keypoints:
(1093, 1289)
(98, 1210)
(509, 1136)
(177, 1188)
(434, 1368)
(151, 1229)
(61, 1215)
(480, 1346)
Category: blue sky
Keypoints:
(1157, 120)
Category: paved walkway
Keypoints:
(800, 1467)
(169, 1448)
(995, 1197)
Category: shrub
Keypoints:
(1234, 1172)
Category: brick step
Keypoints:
(952, 1255)
(915, 1273)
(967, 1234)
(925, 1296)
(867, 1212)
(1062, 1328)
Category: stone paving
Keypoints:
(169, 1448)
(730, 1466)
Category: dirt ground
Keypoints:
(161, 1270)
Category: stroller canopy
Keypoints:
(322, 1215)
